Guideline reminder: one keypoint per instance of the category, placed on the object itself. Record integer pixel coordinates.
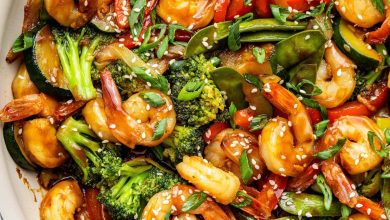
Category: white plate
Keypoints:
(16, 200)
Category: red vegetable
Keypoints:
(262, 8)
(220, 10)
(314, 114)
(242, 117)
(122, 9)
(237, 8)
(182, 35)
(95, 209)
(213, 130)
(271, 191)
(350, 108)
(375, 96)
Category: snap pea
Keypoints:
(304, 204)
(386, 196)
(207, 38)
(297, 48)
(230, 81)
(372, 183)
(265, 36)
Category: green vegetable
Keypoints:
(40, 70)
(23, 42)
(304, 204)
(326, 191)
(345, 211)
(304, 83)
(350, 41)
(134, 18)
(145, 46)
(232, 111)
(297, 48)
(244, 199)
(320, 128)
(230, 81)
(245, 167)
(259, 53)
(156, 82)
(184, 140)
(313, 104)
(279, 13)
(76, 61)
(265, 36)
(153, 98)
(258, 122)
(379, 5)
(102, 22)
(171, 33)
(234, 43)
(316, 11)
(163, 47)
(330, 152)
(384, 151)
(159, 129)
(191, 90)
(13, 144)
(254, 80)
(203, 109)
(207, 38)
(371, 184)
(385, 195)
(194, 201)
(322, 23)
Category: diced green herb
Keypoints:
(279, 13)
(258, 123)
(232, 111)
(330, 152)
(320, 128)
(259, 54)
(245, 167)
(153, 99)
(191, 90)
(159, 129)
(194, 201)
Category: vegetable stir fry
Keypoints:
(204, 109)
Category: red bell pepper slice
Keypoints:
(375, 96)
(220, 10)
(238, 8)
(353, 108)
(95, 209)
(213, 130)
(242, 118)
(262, 8)
(122, 9)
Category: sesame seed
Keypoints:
(295, 105)
(147, 107)
(143, 135)
(112, 126)
(299, 212)
(283, 157)
(282, 169)
(360, 17)
(368, 211)
(315, 166)
(383, 216)
(353, 194)
(339, 72)
(359, 205)
(307, 37)
(252, 107)
(298, 157)
(254, 90)
(308, 214)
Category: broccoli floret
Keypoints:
(204, 109)
(137, 183)
(183, 141)
(123, 77)
(94, 160)
(76, 50)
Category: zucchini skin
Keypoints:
(14, 149)
(39, 79)
(361, 60)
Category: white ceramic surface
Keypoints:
(16, 200)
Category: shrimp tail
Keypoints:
(22, 108)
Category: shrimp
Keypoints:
(172, 201)
(38, 104)
(62, 201)
(193, 14)
(356, 156)
(133, 122)
(95, 116)
(227, 147)
(223, 186)
(363, 13)
(336, 78)
(68, 13)
(277, 140)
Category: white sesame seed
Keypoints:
(359, 205)
(368, 211)
(307, 37)
(282, 169)
(283, 157)
(383, 216)
(112, 126)
(353, 194)
(308, 214)
(143, 135)
(315, 166)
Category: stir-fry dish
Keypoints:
(204, 109)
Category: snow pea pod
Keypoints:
(230, 81)
(297, 48)
(265, 36)
(372, 183)
(207, 38)
(304, 204)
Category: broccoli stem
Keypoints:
(77, 67)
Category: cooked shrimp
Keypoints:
(221, 185)
(286, 152)
(227, 147)
(363, 13)
(336, 78)
(346, 193)
(68, 13)
(193, 14)
(134, 122)
(173, 200)
(95, 116)
(41, 145)
(62, 201)
(38, 104)
(356, 156)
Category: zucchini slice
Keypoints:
(14, 145)
(350, 41)
(44, 66)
